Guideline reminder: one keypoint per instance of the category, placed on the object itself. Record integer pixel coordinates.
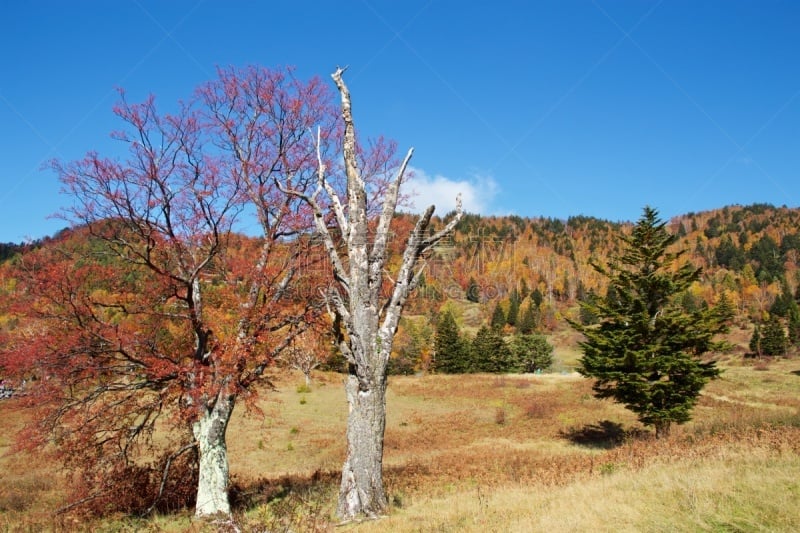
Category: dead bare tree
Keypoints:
(365, 322)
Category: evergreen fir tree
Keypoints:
(498, 317)
(728, 255)
(724, 308)
(513, 308)
(766, 254)
(773, 337)
(646, 351)
(450, 350)
(536, 297)
(527, 323)
(794, 324)
(755, 342)
(532, 352)
(781, 305)
(473, 291)
(490, 353)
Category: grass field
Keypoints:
(489, 453)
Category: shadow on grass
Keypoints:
(603, 435)
(796, 372)
(252, 493)
(304, 497)
(298, 502)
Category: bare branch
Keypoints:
(322, 181)
(378, 255)
(355, 185)
(448, 229)
(356, 188)
(327, 239)
(407, 278)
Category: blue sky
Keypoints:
(538, 108)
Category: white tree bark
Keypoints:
(209, 432)
(361, 490)
(365, 324)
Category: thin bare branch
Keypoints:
(378, 255)
(322, 180)
(339, 271)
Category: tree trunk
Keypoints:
(662, 428)
(363, 321)
(361, 492)
(209, 432)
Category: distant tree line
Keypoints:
(489, 350)
(8, 250)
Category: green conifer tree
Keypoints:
(585, 314)
(473, 291)
(513, 308)
(725, 308)
(645, 353)
(532, 352)
(782, 304)
(490, 353)
(498, 317)
(536, 297)
(773, 337)
(450, 350)
(794, 324)
(527, 324)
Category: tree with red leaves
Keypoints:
(152, 328)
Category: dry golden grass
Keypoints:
(29, 486)
(492, 453)
(734, 494)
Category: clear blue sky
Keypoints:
(552, 108)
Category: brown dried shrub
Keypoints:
(134, 489)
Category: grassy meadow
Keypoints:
(488, 453)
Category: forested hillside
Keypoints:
(527, 274)
(538, 269)
(750, 253)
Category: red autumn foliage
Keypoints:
(155, 316)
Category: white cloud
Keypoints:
(477, 192)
